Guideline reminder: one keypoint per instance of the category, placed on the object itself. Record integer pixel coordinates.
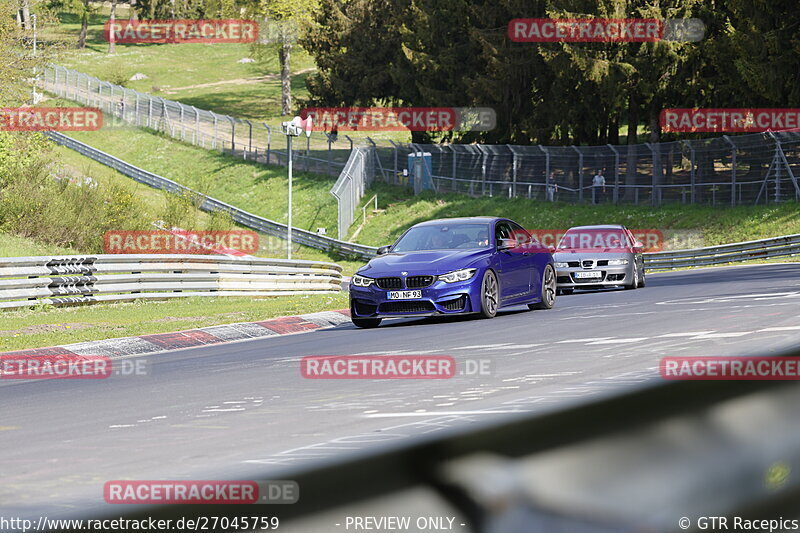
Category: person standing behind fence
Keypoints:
(551, 187)
(598, 186)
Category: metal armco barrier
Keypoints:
(27, 281)
(261, 224)
(784, 246)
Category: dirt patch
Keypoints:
(238, 81)
(46, 328)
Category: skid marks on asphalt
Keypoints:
(433, 421)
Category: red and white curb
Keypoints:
(162, 342)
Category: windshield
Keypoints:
(593, 239)
(444, 237)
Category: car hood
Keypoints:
(432, 262)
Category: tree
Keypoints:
(111, 19)
(283, 23)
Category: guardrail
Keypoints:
(27, 281)
(783, 246)
(261, 224)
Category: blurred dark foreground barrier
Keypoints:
(663, 456)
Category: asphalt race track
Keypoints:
(220, 411)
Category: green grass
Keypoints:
(719, 225)
(65, 325)
(16, 246)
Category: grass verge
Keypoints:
(49, 326)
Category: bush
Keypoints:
(35, 205)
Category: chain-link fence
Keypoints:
(728, 170)
(251, 140)
(349, 188)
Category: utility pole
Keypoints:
(292, 129)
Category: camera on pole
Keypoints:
(296, 126)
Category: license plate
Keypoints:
(404, 295)
(584, 275)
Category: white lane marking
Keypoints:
(122, 426)
(440, 413)
(481, 346)
(619, 341)
(233, 403)
(223, 410)
(781, 328)
(687, 334)
(512, 347)
(615, 315)
(162, 417)
(590, 339)
(723, 335)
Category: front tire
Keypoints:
(635, 276)
(490, 295)
(642, 281)
(366, 323)
(548, 290)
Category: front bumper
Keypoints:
(440, 298)
(610, 276)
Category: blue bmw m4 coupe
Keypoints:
(454, 266)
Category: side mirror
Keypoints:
(383, 250)
(506, 244)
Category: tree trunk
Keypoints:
(84, 25)
(132, 10)
(26, 14)
(284, 56)
(111, 19)
(631, 160)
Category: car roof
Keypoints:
(459, 220)
(599, 226)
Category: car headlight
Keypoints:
(458, 275)
(561, 265)
(617, 262)
(361, 281)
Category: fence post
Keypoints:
(580, 174)
(513, 170)
(483, 168)
(196, 125)
(654, 192)
(394, 175)
(149, 111)
(308, 149)
(351, 141)
(183, 127)
(546, 161)
(249, 135)
(692, 173)
(616, 172)
(733, 169)
(269, 140)
(233, 135)
(214, 139)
